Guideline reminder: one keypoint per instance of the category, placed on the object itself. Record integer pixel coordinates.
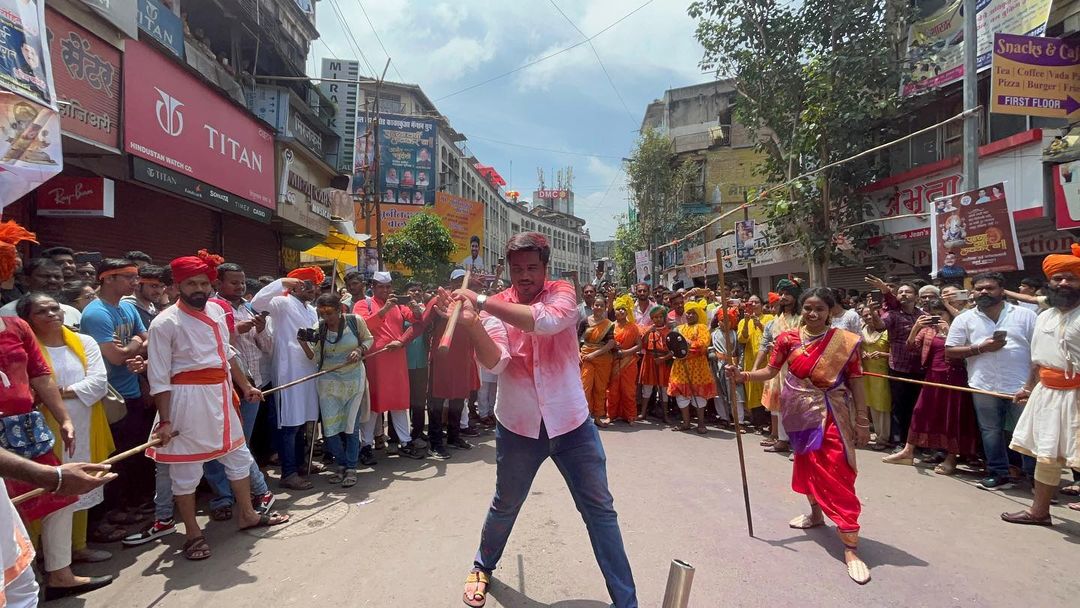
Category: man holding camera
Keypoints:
(388, 372)
(995, 339)
(288, 302)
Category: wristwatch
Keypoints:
(480, 301)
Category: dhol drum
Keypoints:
(678, 345)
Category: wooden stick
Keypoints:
(139, 449)
(733, 393)
(322, 373)
(451, 325)
(938, 385)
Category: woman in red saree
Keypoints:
(622, 387)
(823, 410)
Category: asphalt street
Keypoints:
(406, 534)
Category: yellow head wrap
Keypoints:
(625, 302)
(698, 306)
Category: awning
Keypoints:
(340, 245)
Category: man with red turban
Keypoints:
(288, 301)
(191, 369)
(1049, 427)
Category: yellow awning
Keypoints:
(338, 246)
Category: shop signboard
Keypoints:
(124, 14)
(973, 231)
(406, 171)
(68, 195)
(160, 23)
(183, 185)
(935, 45)
(1035, 76)
(87, 75)
(173, 120)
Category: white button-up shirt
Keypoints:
(539, 371)
(1001, 371)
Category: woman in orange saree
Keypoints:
(596, 335)
(622, 388)
(823, 409)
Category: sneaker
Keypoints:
(995, 484)
(161, 527)
(367, 457)
(439, 453)
(262, 503)
(413, 451)
(380, 442)
(461, 444)
(470, 432)
(392, 449)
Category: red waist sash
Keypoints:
(1056, 379)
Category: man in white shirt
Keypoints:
(995, 339)
(642, 306)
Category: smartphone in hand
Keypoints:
(1000, 335)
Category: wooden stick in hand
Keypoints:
(455, 313)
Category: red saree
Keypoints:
(818, 413)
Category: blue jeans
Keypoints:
(992, 413)
(215, 473)
(580, 458)
(344, 447)
(289, 441)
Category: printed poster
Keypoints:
(25, 66)
(973, 232)
(465, 219)
(406, 172)
(745, 235)
(643, 265)
(935, 45)
(29, 146)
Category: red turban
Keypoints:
(11, 234)
(773, 298)
(733, 317)
(1063, 262)
(309, 273)
(193, 265)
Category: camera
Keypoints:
(307, 334)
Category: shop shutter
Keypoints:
(253, 245)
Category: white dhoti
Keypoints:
(1049, 427)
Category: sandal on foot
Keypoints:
(269, 519)
(858, 571)
(805, 522)
(108, 533)
(702, 430)
(350, 479)
(944, 469)
(295, 482)
(221, 514)
(767, 442)
(337, 477)
(1025, 518)
(780, 447)
(196, 549)
(892, 459)
(477, 598)
(1073, 490)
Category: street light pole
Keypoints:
(971, 98)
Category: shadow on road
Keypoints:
(874, 553)
(512, 598)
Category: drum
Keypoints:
(678, 345)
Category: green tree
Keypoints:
(628, 240)
(816, 82)
(659, 182)
(423, 246)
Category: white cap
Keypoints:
(381, 277)
(457, 273)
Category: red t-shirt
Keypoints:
(20, 360)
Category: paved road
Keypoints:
(405, 536)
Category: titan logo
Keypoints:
(168, 113)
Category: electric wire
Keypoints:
(379, 40)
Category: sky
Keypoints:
(563, 105)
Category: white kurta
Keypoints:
(89, 386)
(300, 404)
(183, 340)
(1049, 427)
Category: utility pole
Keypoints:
(378, 194)
(971, 98)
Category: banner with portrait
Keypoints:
(643, 266)
(25, 67)
(972, 232)
(406, 169)
(745, 235)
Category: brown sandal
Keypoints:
(477, 598)
(196, 549)
(1025, 518)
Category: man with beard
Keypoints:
(1049, 427)
(191, 369)
(63, 257)
(898, 315)
(44, 275)
(642, 305)
(588, 296)
(541, 411)
(995, 339)
(288, 302)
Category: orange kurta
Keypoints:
(596, 372)
(622, 388)
(653, 371)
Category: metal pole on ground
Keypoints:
(679, 580)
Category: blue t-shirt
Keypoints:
(105, 323)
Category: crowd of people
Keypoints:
(214, 366)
